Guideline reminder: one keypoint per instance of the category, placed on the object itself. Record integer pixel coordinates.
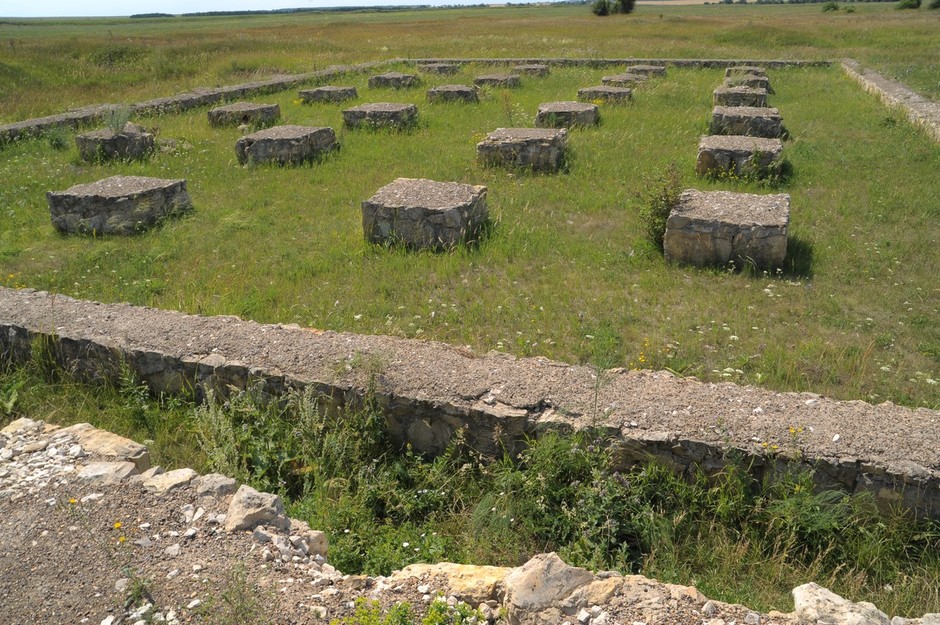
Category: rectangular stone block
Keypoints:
(604, 93)
(713, 228)
(244, 113)
(537, 149)
(497, 80)
(424, 214)
(747, 120)
(738, 70)
(566, 115)
(740, 96)
(394, 80)
(749, 80)
(285, 145)
(736, 154)
(624, 80)
(647, 70)
(117, 205)
(328, 93)
(453, 93)
(387, 114)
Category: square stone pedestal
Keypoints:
(453, 93)
(736, 154)
(740, 70)
(536, 149)
(117, 205)
(605, 93)
(624, 80)
(424, 214)
(747, 120)
(244, 113)
(566, 114)
(394, 80)
(647, 70)
(328, 93)
(285, 145)
(752, 81)
(715, 227)
(133, 142)
(497, 80)
(740, 96)
(381, 114)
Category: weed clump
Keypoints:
(909, 4)
(830, 6)
(661, 196)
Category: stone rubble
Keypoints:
(544, 590)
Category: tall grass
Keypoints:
(383, 507)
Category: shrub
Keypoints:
(830, 6)
(661, 195)
(117, 118)
(909, 4)
(601, 7)
(624, 6)
(934, 4)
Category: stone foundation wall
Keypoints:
(496, 399)
(920, 110)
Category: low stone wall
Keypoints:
(182, 102)
(584, 62)
(429, 391)
(920, 110)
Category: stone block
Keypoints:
(752, 81)
(740, 96)
(453, 93)
(424, 214)
(647, 70)
(566, 115)
(605, 93)
(328, 93)
(712, 228)
(624, 80)
(439, 68)
(531, 69)
(285, 145)
(133, 142)
(497, 80)
(538, 149)
(747, 120)
(739, 70)
(117, 205)
(388, 114)
(244, 113)
(737, 154)
(394, 80)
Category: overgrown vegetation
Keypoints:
(736, 538)
(660, 195)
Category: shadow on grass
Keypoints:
(799, 260)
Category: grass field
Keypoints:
(565, 272)
(49, 65)
(854, 314)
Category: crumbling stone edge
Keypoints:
(496, 400)
(922, 111)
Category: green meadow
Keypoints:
(564, 271)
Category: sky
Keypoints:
(85, 8)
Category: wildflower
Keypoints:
(117, 525)
(121, 539)
(73, 501)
